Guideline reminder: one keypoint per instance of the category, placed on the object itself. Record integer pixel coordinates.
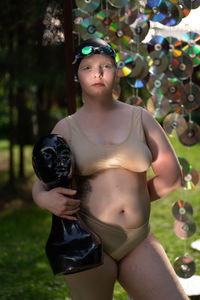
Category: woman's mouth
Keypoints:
(98, 84)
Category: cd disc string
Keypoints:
(136, 92)
(137, 40)
(102, 4)
(185, 248)
(119, 32)
(107, 15)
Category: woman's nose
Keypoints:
(99, 72)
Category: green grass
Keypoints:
(4, 157)
(25, 272)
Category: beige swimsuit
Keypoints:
(90, 157)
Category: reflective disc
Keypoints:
(88, 5)
(181, 209)
(191, 135)
(158, 106)
(174, 123)
(185, 229)
(184, 266)
(158, 62)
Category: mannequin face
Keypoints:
(52, 159)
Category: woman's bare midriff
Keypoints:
(116, 196)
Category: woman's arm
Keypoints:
(56, 200)
(165, 165)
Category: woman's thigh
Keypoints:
(94, 284)
(146, 273)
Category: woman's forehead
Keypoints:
(96, 58)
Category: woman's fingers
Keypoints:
(60, 203)
(72, 203)
(65, 191)
(70, 214)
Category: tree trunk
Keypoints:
(11, 138)
(21, 129)
(71, 100)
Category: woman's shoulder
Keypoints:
(130, 108)
(62, 127)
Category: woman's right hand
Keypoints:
(58, 202)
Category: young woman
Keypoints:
(114, 144)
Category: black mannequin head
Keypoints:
(52, 160)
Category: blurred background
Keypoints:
(158, 58)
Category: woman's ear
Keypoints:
(76, 78)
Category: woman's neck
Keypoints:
(98, 104)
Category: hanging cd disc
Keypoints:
(91, 28)
(182, 67)
(155, 10)
(106, 16)
(191, 99)
(138, 82)
(191, 179)
(119, 33)
(191, 4)
(140, 48)
(157, 62)
(186, 229)
(137, 65)
(157, 84)
(158, 43)
(191, 135)
(158, 106)
(181, 209)
(135, 100)
(129, 13)
(175, 89)
(116, 92)
(184, 10)
(125, 64)
(140, 29)
(185, 166)
(118, 3)
(196, 60)
(174, 16)
(78, 15)
(141, 80)
(169, 71)
(191, 43)
(174, 123)
(88, 5)
(175, 46)
(176, 107)
(184, 266)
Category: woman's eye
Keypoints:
(107, 66)
(86, 68)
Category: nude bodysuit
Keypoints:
(90, 157)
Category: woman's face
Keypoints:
(96, 74)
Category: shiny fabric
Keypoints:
(71, 246)
(116, 241)
(90, 157)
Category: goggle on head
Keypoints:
(89, 50)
